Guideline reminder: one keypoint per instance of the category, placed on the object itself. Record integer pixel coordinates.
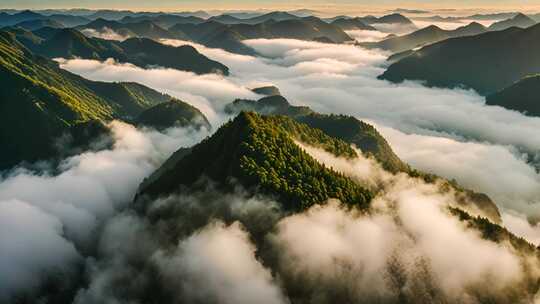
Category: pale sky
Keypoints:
(332, 5)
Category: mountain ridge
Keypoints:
(142, 52)
(54, 100)
(486, 63)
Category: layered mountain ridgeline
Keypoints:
(229, 37)
(522, 96)
(395, 18)
(12, 19)
(226, 32)
(402, 45)
(363, 136)
(174, 113)
(164, 20)
(274, 16)
(29, 17)
(487, 62)
(44, 101)
(143, 52)
(145, 29)
(348, 24)
(520, 20)
(37, 24)
(260, 153)
(478, 17)
(425, 36)
(69, 20)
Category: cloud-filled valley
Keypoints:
(342, 79)
(186, 214)
(60, 213)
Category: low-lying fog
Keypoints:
(447, 132)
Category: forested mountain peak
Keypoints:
(259, 152)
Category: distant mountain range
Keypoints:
(29, 16)
(520, 20)
(487, 62)
(388, 19)
(145, 29)
(275, 16)
(41, 102)
(224, 31)
(229, 37)
(425, 36)
(348, 24)
(165, 21)
(35, 24)
(143, 52)
(477, 17)
(433, 33)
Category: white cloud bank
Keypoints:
(50, 220)
(407, 244)
(218, 264)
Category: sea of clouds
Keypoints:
(77, 215)
(496, 146)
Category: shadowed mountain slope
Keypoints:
(522, 96)
(487, 62)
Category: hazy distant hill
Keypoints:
(522, 96)
(110, 14)
(69, 20)
(393, 19)
(27, 16)
(520, 20)
(275, 16)
(425, 36)
(230, 36)
(475, 17)
(347, 24)
(39, 23)
(12, 19)
(144, 28)
(165, 21)
(487, 62)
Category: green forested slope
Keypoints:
(260, 153)
(40, 101)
